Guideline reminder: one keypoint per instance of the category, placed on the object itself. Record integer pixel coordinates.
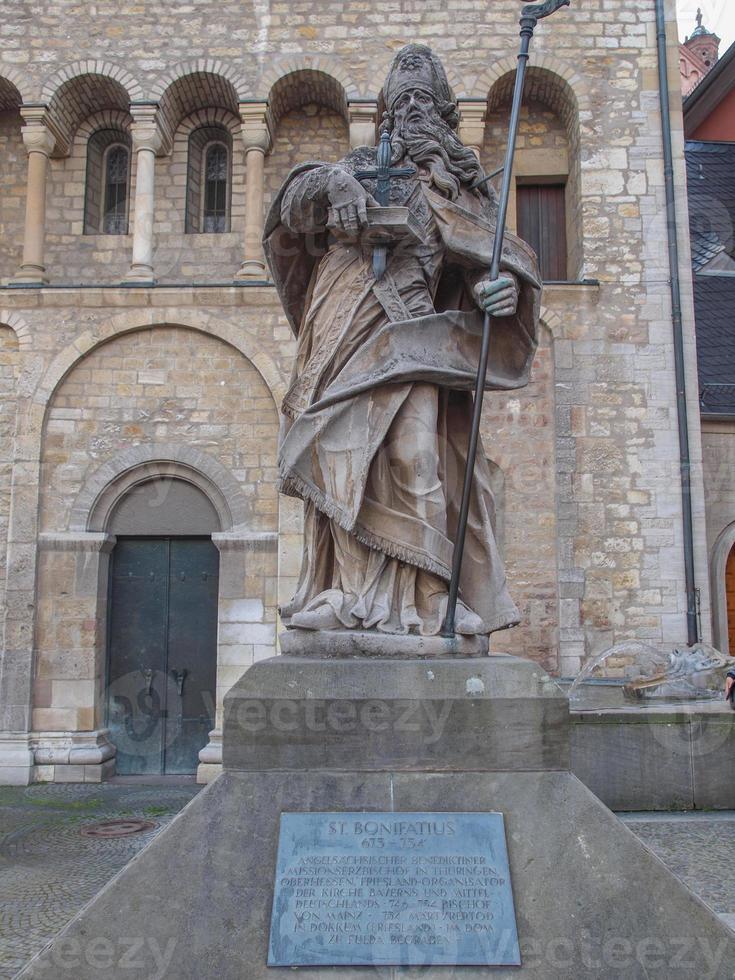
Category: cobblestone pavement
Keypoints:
(48, 869)
(698, 848)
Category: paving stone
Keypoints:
(49, 870)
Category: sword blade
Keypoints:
(380, 258)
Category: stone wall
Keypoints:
(542, 152)
(12, 192)
(160, 401)
(588, 454)
(310, 133)
(9, 358)
(164, 385)
(519, 436)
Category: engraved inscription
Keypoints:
(391, 889)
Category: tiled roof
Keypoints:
(704, 248)
(714, 302)
(711, 187)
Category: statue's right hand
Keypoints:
(348, 201)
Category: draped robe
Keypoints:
(377, 416)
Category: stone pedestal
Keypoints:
(394, 735)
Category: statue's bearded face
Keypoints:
(420, 131)
(413, 106)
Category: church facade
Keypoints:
(144, 548)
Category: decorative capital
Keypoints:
(146, 130)
(256, 131)
(39, 134)
(472, 115)
(363, 118)
(38, 139)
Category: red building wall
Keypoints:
(720, 124)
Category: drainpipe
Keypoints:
(676, 317)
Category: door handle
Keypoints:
(180, 676)
(148, 677)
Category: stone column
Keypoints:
(472, 118)
(39, 143)
(472, 114)
(362, 118)
(256, 137)
(147, 141)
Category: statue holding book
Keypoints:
(382, 264)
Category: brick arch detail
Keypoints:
(109, 483)
(92, 67)
(298, 88)
(106, 119)
(324, 64)
(201, 66)
(244, 342)
(20, 82)
(209, 117)
(575, 84)
(20, 328)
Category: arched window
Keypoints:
(107, 191)
(209, 181)
(214, 205)
(115, 191)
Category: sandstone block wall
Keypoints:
(586, 456)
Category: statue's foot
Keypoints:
(322, 617)
(467, 622)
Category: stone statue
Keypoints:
(376, 419)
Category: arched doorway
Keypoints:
(162, 627)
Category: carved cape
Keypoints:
(336, 418)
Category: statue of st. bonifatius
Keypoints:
(377, 415)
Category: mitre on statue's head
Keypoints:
(416, 67)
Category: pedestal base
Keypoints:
(326, 644)
(251, 269)
(30, 275)
(590, 900)
(139, 275)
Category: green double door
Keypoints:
(162, 652)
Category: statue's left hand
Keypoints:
(497, 297)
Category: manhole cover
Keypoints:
(117, 828)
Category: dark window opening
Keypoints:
(209, 180)
(542, 224)
(107, 189)
(215, 188)
(115, 213)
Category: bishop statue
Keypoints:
(377, 415)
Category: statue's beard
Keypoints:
(430, 142)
